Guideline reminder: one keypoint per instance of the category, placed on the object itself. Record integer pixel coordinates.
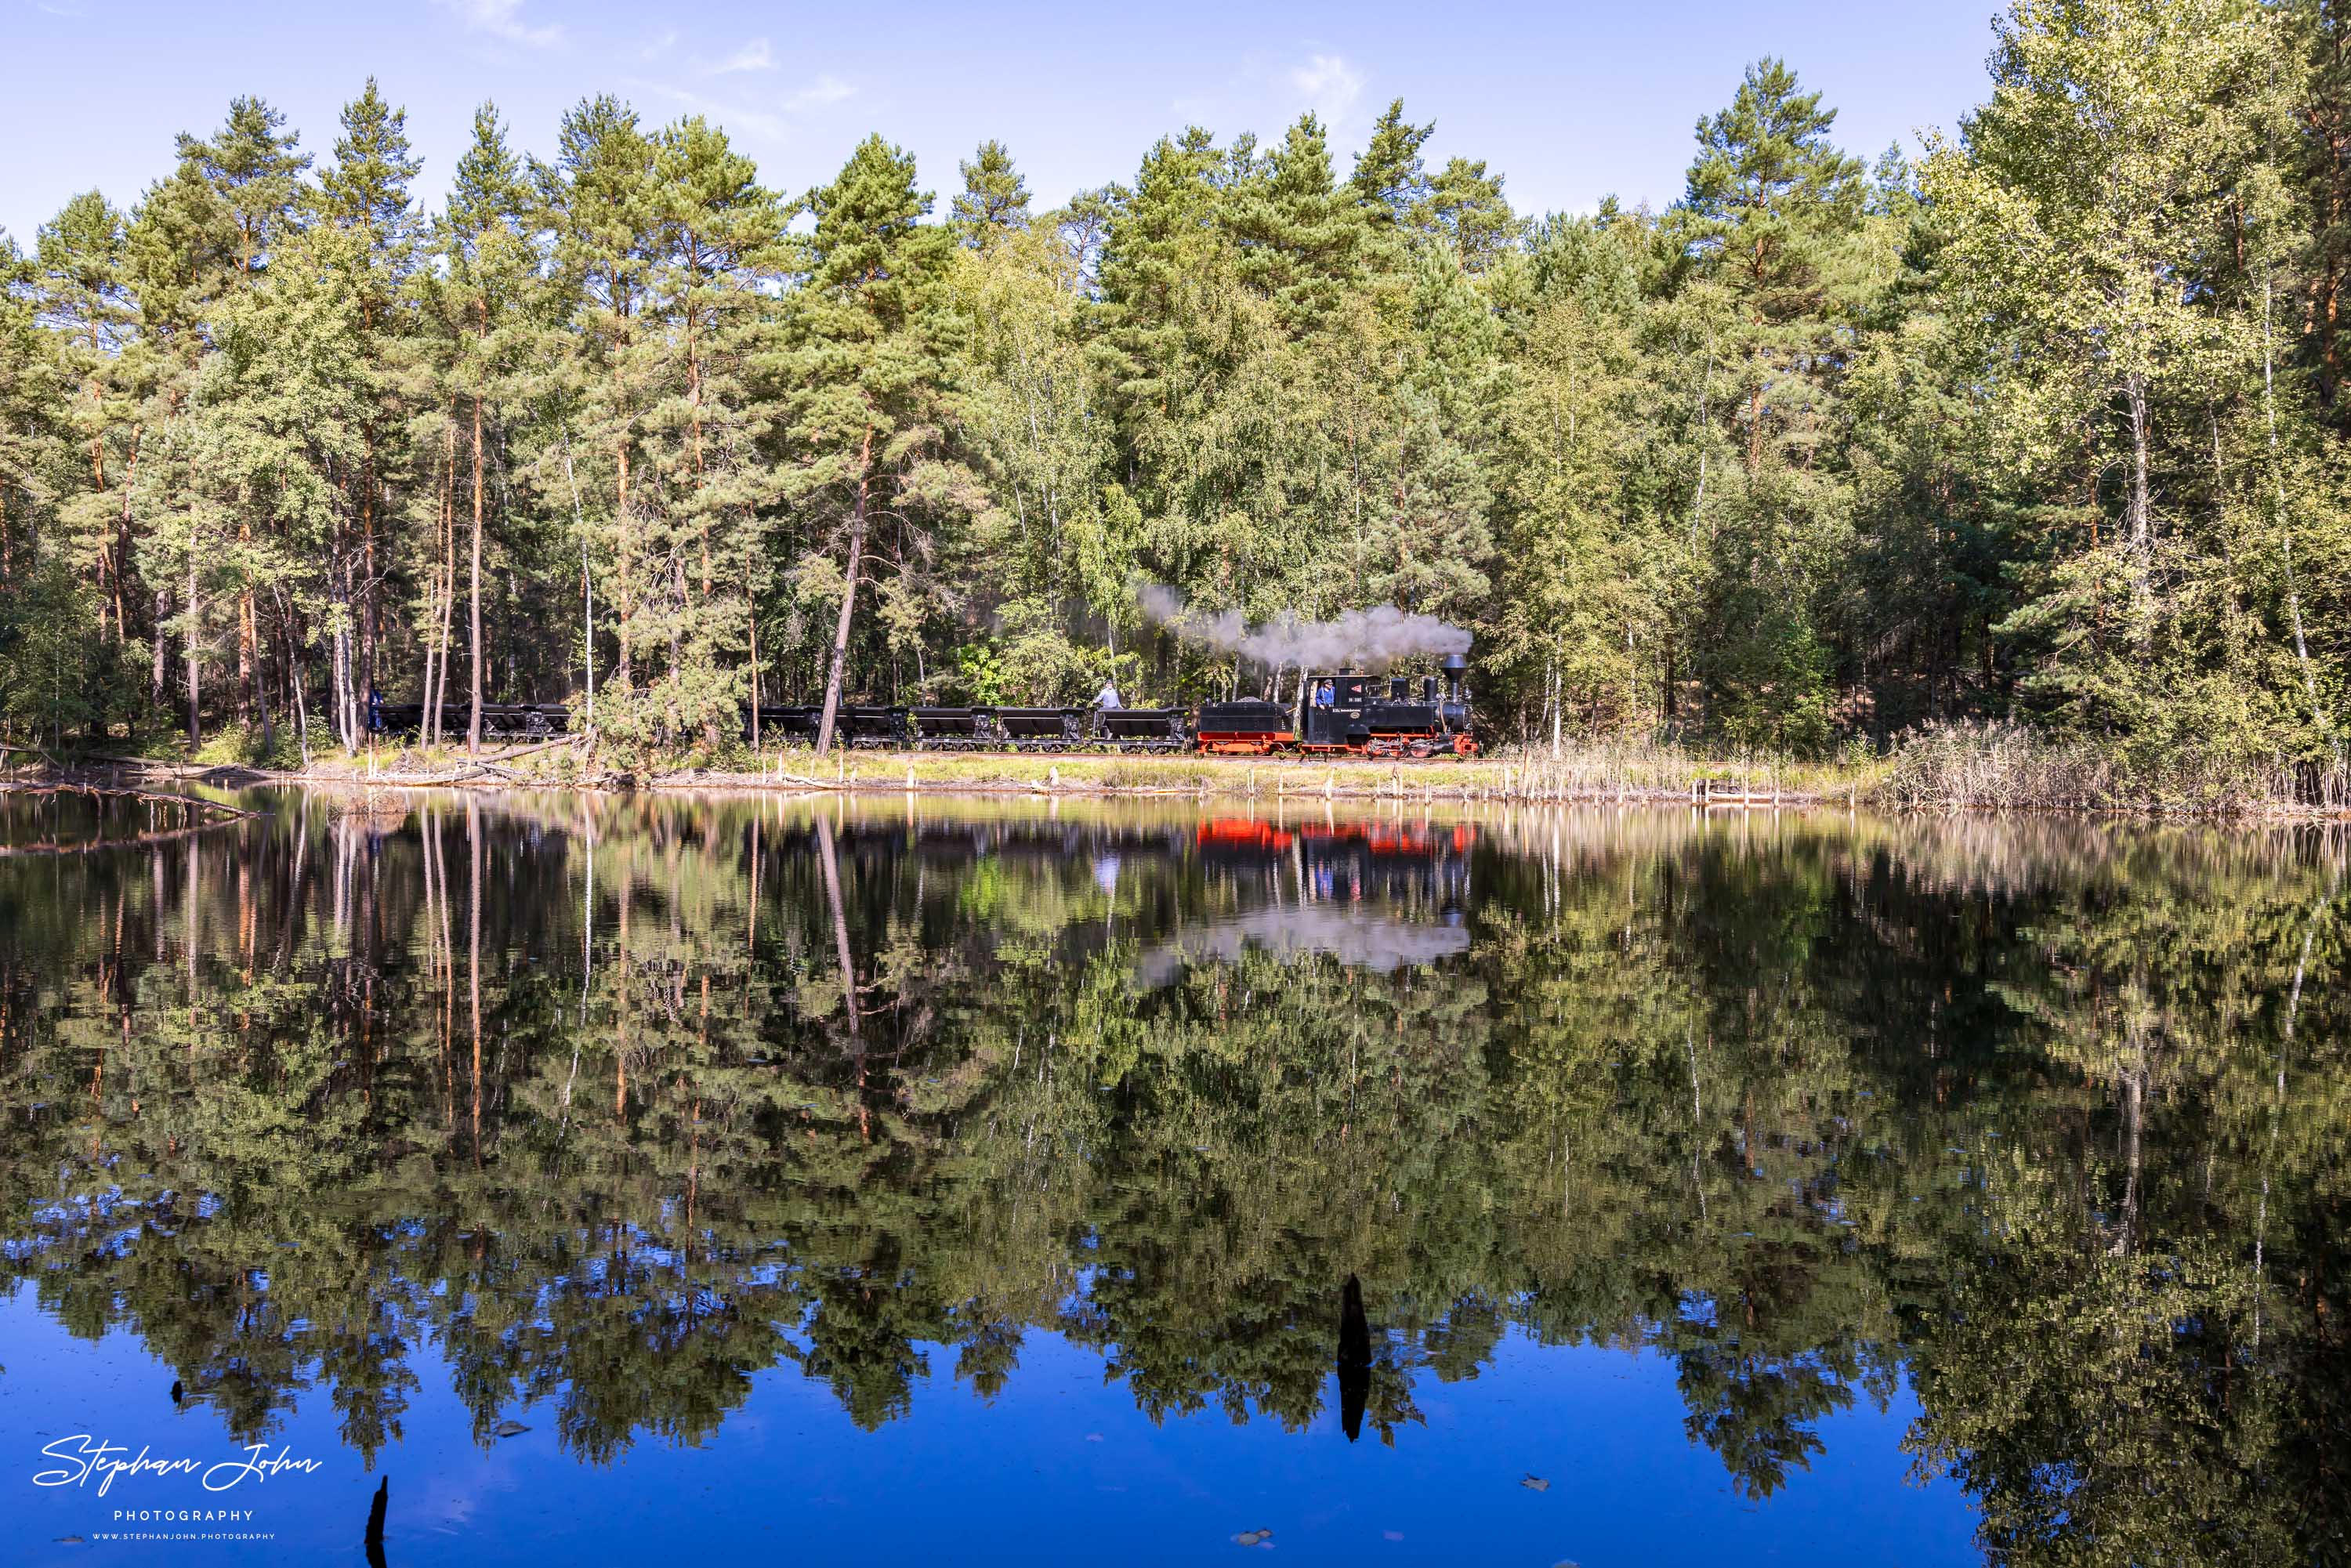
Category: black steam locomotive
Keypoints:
(1335, 715)
(1361, 716)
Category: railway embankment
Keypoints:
(1980, 767)
(1590, 775)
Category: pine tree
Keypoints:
(253, 164)
(273, 429)
(491, 270)
(1769, 199)
(1390, 177)
(1049, 556)
(600, 197)
(714, 248)
(1161, 241)
(180, 259)
(35, 387)
(86, 298)
(1465, 206)
(1767, 227)
(864, 380)
(994, 200)
(366, 192)
(1298, 240)
(256, 164)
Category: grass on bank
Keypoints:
(1976, 766)
(1590, 770)
(2012, 767)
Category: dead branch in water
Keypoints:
(165, 836)
(103, 791)
(225, 815)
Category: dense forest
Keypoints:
(2042, 425)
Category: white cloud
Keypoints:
(732, 117)
(659, 47)
(754, 55)
(826, 89)
(1330, 85)
(501, 19)
(771, 120)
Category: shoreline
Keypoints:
(1647, 781)
(1651, 780)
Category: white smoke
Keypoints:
(1360, 938)
(1358, 640)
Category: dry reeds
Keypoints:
(2006, 766)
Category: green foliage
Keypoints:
(979, 674)
(2045, 426)
(49, 670)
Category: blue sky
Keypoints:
(1570, 102)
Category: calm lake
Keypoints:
(632, 1178)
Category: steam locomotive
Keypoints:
(1361, 716)
(1334, 715)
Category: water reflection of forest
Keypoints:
(624, 1100)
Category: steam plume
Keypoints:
(1363, 939)
(1367, 640)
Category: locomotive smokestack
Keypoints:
(1455, 667)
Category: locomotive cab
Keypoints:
(1383, 715)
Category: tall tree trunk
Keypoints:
(159, 678)
(2141, 517)
(195, 661)
(474, 610)
(298, 670)
(122, 534)
(587, 583)
(848, 601)
(673, 728)
(245, 637)
(369, 608)
(624, 541)
(2318, 713)
(506, 632)
(445, 585)
(339, 675)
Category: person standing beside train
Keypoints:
(1107, 698)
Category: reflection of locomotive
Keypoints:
(1379, 895)
(1406, 864)
(1335, 715)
